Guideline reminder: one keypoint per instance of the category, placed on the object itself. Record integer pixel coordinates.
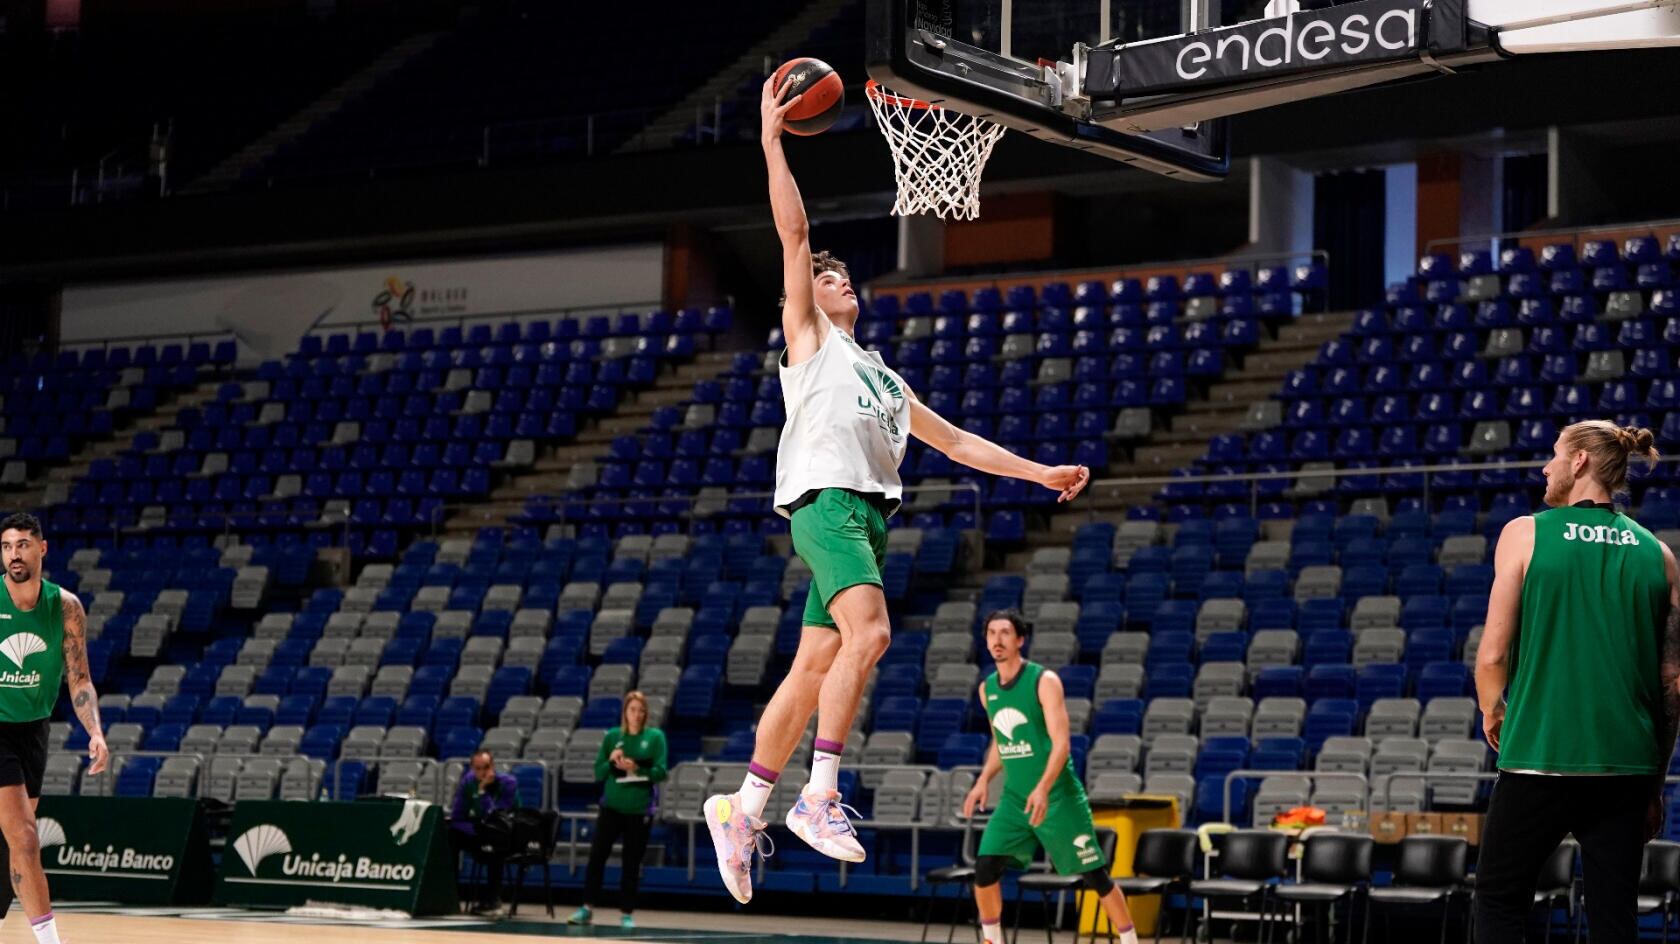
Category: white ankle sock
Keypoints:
(992, 931)
(1129, 936)
(825, 765)
(45, 928)
(755, 793)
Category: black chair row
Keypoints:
(1251, 868)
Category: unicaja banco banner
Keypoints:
(378, 853)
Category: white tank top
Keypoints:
(848, 415)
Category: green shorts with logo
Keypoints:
(1067, 833)
(842, 537)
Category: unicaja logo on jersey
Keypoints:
(883, 390)
(1007, 722)
(16, 648)
(1084, 847)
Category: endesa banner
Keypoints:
(1312, 40)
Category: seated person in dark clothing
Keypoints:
(482, 791)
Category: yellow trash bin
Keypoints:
(1139, 812)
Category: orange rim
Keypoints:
(874, 90)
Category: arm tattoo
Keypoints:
(76, 677)
(1669, 725)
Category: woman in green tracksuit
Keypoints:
(631, 761)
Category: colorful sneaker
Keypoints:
(819, 818)
(626, 922)
(735, 837)
(581, 916)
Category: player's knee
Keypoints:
(25, 843)
(871, 641)
(1098, 880)
(988, 870)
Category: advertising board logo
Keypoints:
(258, 843)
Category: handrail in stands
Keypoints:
(528, 314)
(1248, 774)
(559, 502)
(969, 283)
(1576, 233)
(1255, 478)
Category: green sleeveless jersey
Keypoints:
(1584, 694)
(1023, 739)
(31, 655)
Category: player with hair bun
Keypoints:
(1578, 675)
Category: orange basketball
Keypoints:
(824, 94)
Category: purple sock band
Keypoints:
(829, 747)
(37, 922)
(763, 773)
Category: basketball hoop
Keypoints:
(938, 154)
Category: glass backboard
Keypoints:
(1016, 62)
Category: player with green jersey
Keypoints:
(43, 642)
(1578, 674)
(1043, 803)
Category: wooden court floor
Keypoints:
(84, 924)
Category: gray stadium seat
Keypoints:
(897, 796)
(1171, 754)
(1125, 648)
(282, 740)
(1344, 755)
(61, 774)
(1318, 582)
(1380, 612)
(1273, 647)
(1227, 716)
(1279, 793)
(1110, 788)
(1279, 717)
(1119, 680)
(1447, 718)
(258, 779)
(1457, 755)
(1220, 615)
(1168, 716)
(1114, 752)
(1393, 717)
(301, 779)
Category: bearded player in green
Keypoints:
(1043, 802)
(43, 639)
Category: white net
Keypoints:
(938, 154)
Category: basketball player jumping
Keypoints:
(1043, 802)
(837, 480)
(43, 638)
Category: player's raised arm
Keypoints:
(76, 678)
(801, 321)
(982, 454)
(1499, 630)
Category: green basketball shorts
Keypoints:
(1067, 833)
(842, 537)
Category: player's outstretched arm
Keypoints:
(1499, 630)
(980, 453)
(76, 678)
(801, 322)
